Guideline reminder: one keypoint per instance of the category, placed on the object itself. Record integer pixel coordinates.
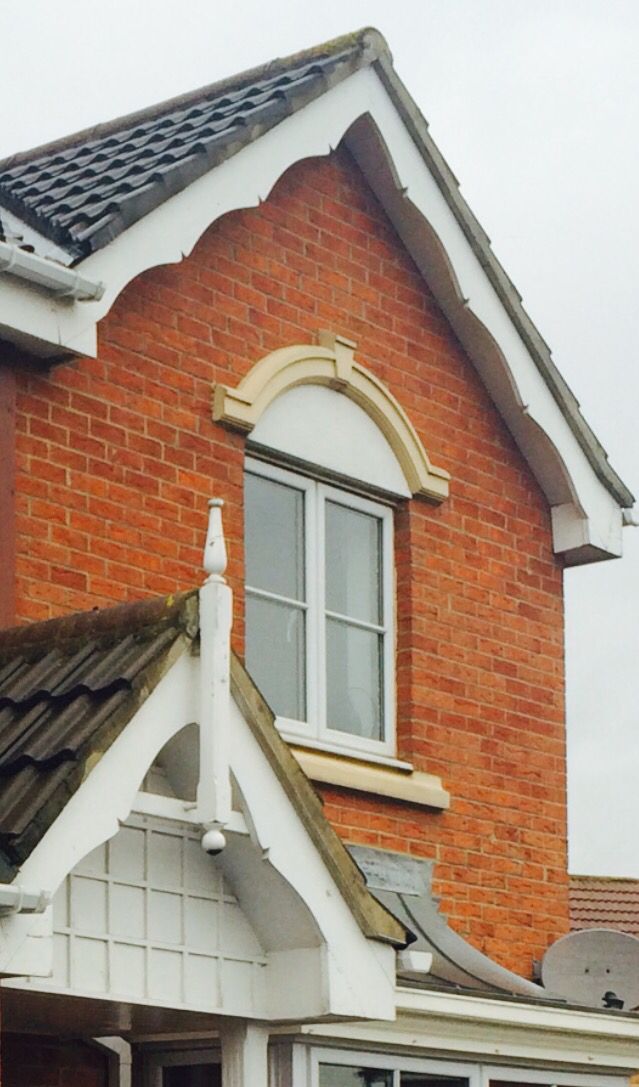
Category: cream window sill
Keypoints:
(346, 772)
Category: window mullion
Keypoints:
(389, 637)
(264, 594)
(313, 639)
(320, 622)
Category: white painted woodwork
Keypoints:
(325, 428)
(216, 616)
(95, 812)
(120, 1052)
(482, 1028)
(442, 1068)
(287, 944)
(347, 973)
(149, 917)
(244, 1055)
(316, 726)
(411, 197)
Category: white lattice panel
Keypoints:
(148, 917)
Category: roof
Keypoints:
(403, 885)
(604, 902)
(84, 190)
(67, 689)
(80, 192)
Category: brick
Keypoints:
(119, 454)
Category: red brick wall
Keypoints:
(117, 457)
(29, 1060)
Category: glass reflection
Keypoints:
(338, 1075)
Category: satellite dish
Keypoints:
(598, 967)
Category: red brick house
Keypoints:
(271, 292)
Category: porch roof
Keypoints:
(68, 689)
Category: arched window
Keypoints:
(330, 454)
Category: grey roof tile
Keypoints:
(67, 687)
(81, 192)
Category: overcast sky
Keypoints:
(535, 104)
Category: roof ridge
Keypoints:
(368, 40)
(179, 610)
(606, 879)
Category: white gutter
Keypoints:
(63, 282)
(14, 899)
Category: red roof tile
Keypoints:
(604, 902)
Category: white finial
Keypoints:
(215, 547)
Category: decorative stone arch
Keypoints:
(332, 364)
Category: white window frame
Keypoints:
(477, 1072)
(392, 1062)
(155, 1061)
(315, 731)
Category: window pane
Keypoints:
(336, 1075)
(275, 654)
(192, 1075)
(274, 537)
(354, 680)
(353, 563)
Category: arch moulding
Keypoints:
(332, 363)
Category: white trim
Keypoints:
(94, 813)
(306, 744)
(489, 1072)
(392, 1062)
(518, 1013)
(244, 1055)
(169, 807)
(315, 728)
(477, 1073)
(154, 1062)
(316, 424)
(318, 961)
(394, 167)
(83, 825)
(120, 1059)
(478, 1028)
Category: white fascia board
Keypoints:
(421, 1002)
(486, 1029)
(42, 324)
(588, 519)
(356, 976)
(94, 813)
(330, 969)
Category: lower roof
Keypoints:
(604, 902)
(68, 689)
